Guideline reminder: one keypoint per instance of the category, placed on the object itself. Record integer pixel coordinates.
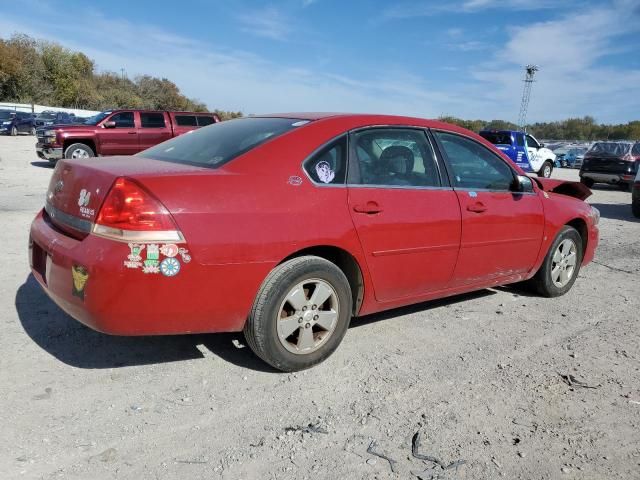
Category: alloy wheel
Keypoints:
(563, 263)
(308, 316)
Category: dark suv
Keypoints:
(615, 163)
(12, 123)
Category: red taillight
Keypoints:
(130, 212)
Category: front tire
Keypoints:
(300, 315)
(561, 265)
(14, 131)
(546, 170)
(78, 150)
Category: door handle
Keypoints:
(477, 207)
(132, 133)
(370, 208)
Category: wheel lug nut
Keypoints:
(315, 317)
(304, 309)
(314, 307)
(307, 325)
(300, 320)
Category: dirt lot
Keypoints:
(477, 375)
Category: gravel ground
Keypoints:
(479, 376)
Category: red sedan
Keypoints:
(287, 226)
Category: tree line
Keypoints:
(584, 128)
(46, 73)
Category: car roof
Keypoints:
(364, 119)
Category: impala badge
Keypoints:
(83, 203)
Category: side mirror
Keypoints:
(109, 124)
(541, 145)
(522, 184)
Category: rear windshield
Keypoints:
(610, 149)
(497, 138)
(217, 144)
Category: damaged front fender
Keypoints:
(563, 187)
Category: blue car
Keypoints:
(12, 123)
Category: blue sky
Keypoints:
(422, 58)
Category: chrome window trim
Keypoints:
(398, 187)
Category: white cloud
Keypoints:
(268, 22)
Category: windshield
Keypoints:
(47, 116)
(219, 143)
(497, 138)
(5, 115)
(610, 149)
(96, 118)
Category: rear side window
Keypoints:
(329, 165)
(222, 142)
(204, 121)
(636, 150)
(152, 120)
(474, 166)
(186, 120)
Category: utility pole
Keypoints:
(526, 95)
(122, 73)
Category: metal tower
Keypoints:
(526, 95)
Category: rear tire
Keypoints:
(283, 328)
(78, 150)
(587, 182)
(546, 170)
(625, 187)
(561, 266)
(33, 131)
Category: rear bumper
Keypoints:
(121, 301)
(612, 178)
(48, 153)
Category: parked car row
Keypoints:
(13, 122)
(569, 157)
(116, 132)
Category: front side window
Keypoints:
(123, 120)
(394, 157)
(222, 142)
(474, 166)
(329, 165)
(151, 120)
(532, 142)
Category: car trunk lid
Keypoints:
(78, 187)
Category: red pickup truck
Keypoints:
(116, 132)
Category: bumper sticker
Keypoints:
(80, 276)
(153, 263)
(170, 267)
